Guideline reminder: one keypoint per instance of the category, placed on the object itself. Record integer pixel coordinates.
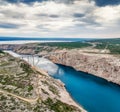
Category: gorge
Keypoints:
(28, 88)
(87, 90)
(106, 66)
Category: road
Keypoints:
(19, 97)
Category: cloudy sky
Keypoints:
(60, 18)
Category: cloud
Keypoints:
(107, 2)
(54, 16)
(32, 1)
(24, 1)
(77, 15)
(9, 26)
(58, 17)
(107, 16)
(98, 2)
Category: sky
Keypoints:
(60, 18)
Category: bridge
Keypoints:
(36, 58)
(32, 57)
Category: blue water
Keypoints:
(93, 93)
(42, 39)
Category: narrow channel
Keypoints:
(93, 93)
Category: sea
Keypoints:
(22, 40)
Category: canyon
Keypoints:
(89, 60)
(102, 65)
(94, 62)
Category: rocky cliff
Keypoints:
(24, 88)
(87, 60)
(102, 65)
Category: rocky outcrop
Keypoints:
(24, 87)
(102, 65)
(19, 48)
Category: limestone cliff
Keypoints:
(24, 88)
(102, 65)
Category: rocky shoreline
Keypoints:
(60, 93)
(102, 65)
(65, 96)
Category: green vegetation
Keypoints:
(111, 41)
(113, 45)
(30, 88)
(38, 49)
(53, 89)
(59, 106)
(1, 52)
(10, 104)
(114, 49)
(26, 68)
(15, 76)
(68, 45)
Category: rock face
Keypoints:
(19, 48)
(102, 65)
(24, 88)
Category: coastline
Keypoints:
(26, 42)
(101, 65)
(74, 103)
(91, 75)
